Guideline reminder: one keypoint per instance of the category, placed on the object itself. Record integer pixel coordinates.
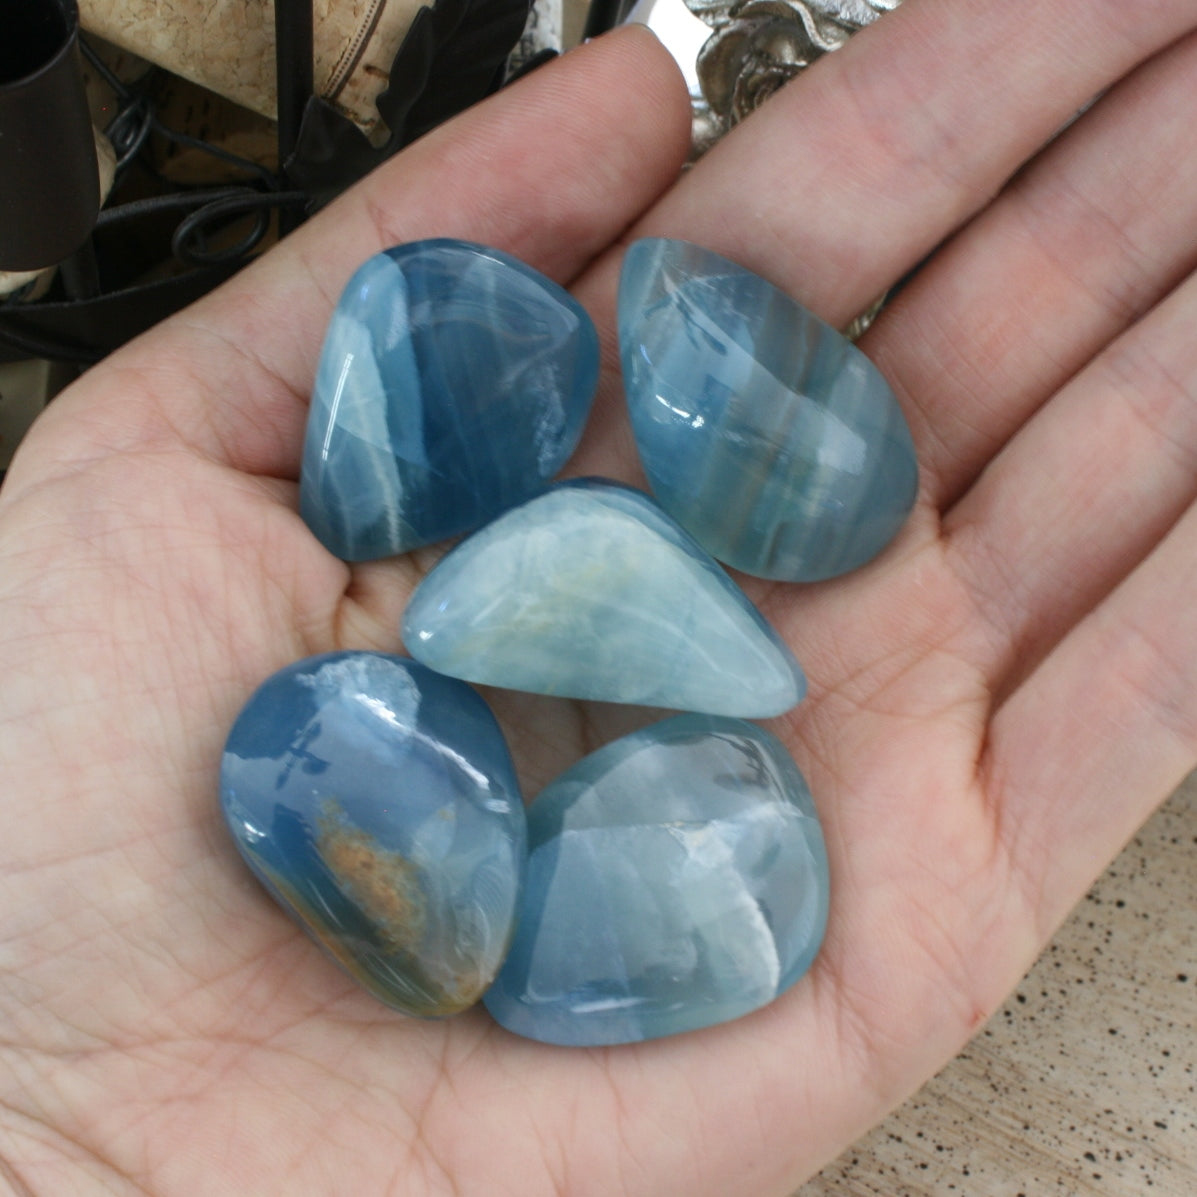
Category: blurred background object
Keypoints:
(734, 54)
(222, 126)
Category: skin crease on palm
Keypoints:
(996, 703)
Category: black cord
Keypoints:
(259, 195)
(101, 69)
(214, 207)
(210, 209)
(181, 201)
(190, 241)
(267, 176)
(33, 345)
(139, 116)
(177, 201)
(128, 131)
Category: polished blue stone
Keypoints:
(454, 382)
(591, 591)
(766, 434)
(677, 878)
(376, 801)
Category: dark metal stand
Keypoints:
(293, 58)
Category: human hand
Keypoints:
(995, 703)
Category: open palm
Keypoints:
(996, 703)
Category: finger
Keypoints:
(850, 175)
(1082, 493)
(1102, 732)
(1099, 229)
(550, 169)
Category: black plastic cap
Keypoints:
(49, 180)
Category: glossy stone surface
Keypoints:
(376, 801)
(677, 878)
(773, 440)
(454, 382)
(591, 591)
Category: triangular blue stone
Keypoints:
(765, 433)
(591, 591)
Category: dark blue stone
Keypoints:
(377, 802)
(677, 878)
(590, 591)
(454, 382)
(765, 433)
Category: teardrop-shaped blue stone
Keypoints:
(765, 433)
(453, 383)
(591, 591)
(677, 878)
(377, 802)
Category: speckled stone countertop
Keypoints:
(1085, 1082)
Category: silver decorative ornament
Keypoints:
(759, 45)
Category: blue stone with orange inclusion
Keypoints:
(377, 802)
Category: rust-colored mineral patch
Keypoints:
(383, 884)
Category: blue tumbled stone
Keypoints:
(376, 801)
(591, 591)
(677, 878)
(765, 433)
(454, 382)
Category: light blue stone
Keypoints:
(591, 591)
(766, 434)
(677, 878)
(376, 801)
(454, 382)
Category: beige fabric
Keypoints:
(228, 45)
